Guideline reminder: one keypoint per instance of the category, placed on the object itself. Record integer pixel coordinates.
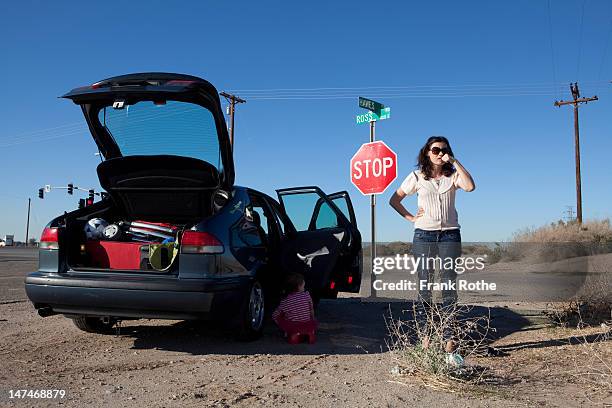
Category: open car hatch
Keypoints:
(157, 113)
(165, 142)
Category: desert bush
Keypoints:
(591, 362)
(554, 242)
(420, 349)
(593, 232)
(592, 305)
(393, 248)
(590, 354)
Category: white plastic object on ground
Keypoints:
(454, 360)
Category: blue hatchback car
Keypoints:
(173, 237)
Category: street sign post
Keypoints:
(373, 168)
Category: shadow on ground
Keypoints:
(572, 340)
(347, 326)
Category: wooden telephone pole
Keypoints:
(577, 100)
(232, 100)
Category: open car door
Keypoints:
(326, 246)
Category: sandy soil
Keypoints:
(160, 363)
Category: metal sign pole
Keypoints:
(28, 223)
(373, 222)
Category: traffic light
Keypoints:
(70, 188)
(91, 196)
(41, 193)
(81, 203)
(89, 202)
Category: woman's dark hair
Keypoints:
(425, 165)
(293, 282)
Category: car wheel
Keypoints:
(93, 324)
(252, 313)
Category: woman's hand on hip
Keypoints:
(419, 214)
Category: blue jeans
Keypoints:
(435, 248)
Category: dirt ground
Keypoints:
(159, 363)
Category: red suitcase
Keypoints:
(115, 255)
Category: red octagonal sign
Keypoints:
(373, 168)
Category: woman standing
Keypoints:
(436, 232)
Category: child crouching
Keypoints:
(295, 313)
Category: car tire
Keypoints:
(93, 324)
(252, 314)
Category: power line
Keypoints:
(324, 93)
(423, 87)
(413, 91)
(552, 50)
(391, 96)
(580, 40)
(51, 135)
(605, 53)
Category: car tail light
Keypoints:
(195, 242)
(48, 239)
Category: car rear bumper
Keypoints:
(134, 296)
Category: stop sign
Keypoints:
(373, 168)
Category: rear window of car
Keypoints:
(173, 128)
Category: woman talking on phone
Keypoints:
(436, 226)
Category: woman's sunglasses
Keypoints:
(436, 150)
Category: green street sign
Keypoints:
(385, 113)
(370, 105)
(373, 117)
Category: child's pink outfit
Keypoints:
(294, 315)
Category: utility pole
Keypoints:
(28, 223)
(577, 100)
(232, 100)
(569, 213)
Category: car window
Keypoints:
(172, 128)
(301, 208)
(279, 219)
(326, 218)
(343, 206)
(263, 220)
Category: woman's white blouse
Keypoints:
(437, 201)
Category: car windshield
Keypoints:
(173, 128)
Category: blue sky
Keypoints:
(518, 147)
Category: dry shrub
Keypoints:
(591, 357)
(393, 248)
(592, 308)
(593, 232)
(554, 242)
(592, 363)
(471, 335)
(592, 305)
